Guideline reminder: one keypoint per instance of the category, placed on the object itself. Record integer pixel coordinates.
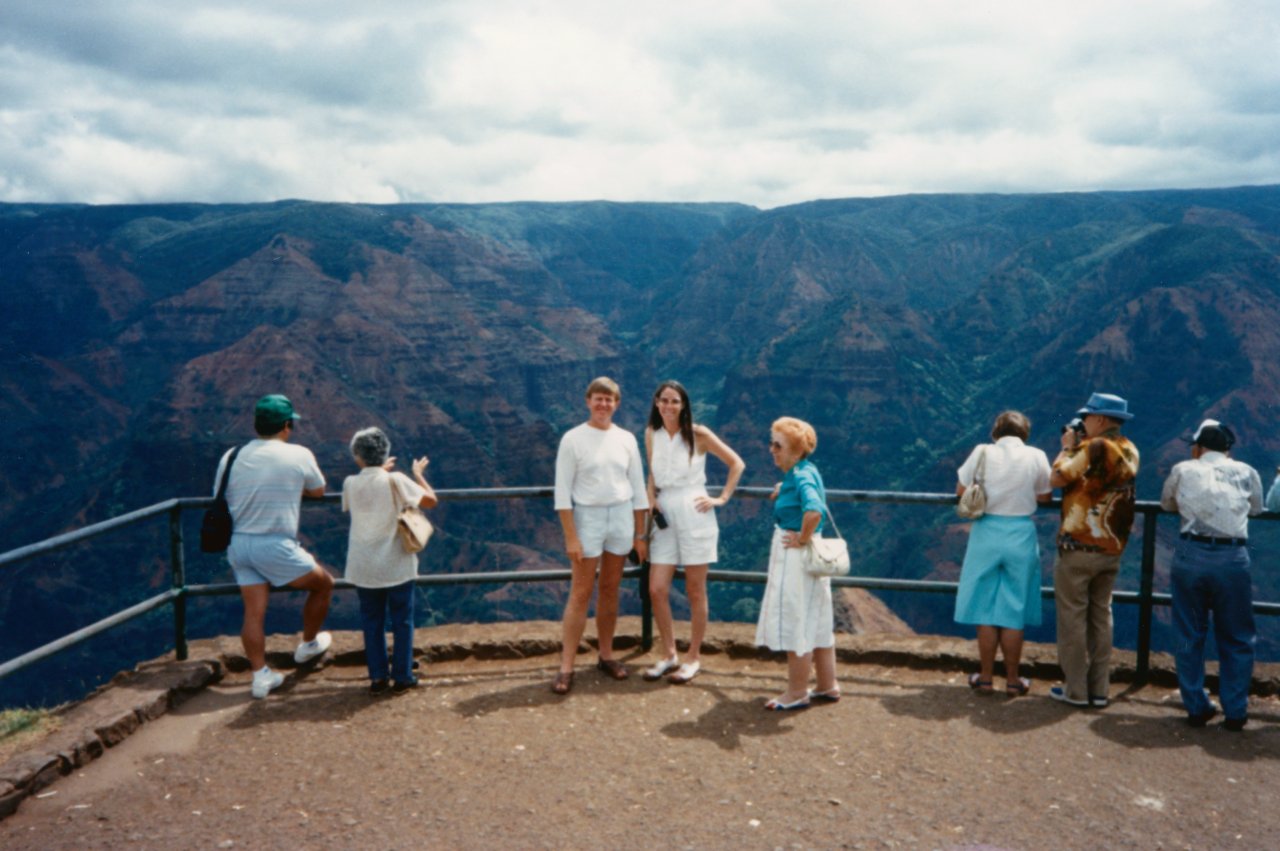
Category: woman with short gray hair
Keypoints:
(377, 563)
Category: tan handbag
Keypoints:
(973, 502)
(412, 525)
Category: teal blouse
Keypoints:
(802, 491)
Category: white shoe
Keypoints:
(687, 671)
(309, 650)
(265, 681)
(1059, 693)
(661, 669)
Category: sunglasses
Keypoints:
(773, 444)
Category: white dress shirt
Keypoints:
(1214, 494)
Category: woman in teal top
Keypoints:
(796, 614)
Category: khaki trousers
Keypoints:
(1082, 583)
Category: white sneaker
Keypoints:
(687, 671)
(265, 681)
(309, 650)
(1059, 693)
(661, 669)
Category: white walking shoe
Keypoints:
(687, 671)
(265, 681)
(309, 650)
(661, 669)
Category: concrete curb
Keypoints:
(100, 721)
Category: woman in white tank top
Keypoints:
(684, 530)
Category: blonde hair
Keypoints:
(604, 384)
(797, 433)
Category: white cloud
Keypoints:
(766, 102)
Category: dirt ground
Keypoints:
(484, 756)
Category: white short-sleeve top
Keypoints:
(264, 491)
(375, 556)
(1014, 475)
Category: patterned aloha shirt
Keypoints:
(1097, 501)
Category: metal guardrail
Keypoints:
(1145, 597)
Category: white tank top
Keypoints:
(672, 466)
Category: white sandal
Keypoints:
(661, 669)
(687, 671)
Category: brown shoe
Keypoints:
(613, 668)
(563, 682)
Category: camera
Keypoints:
(1076, 425)
(658, 519)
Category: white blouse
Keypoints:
(671, 464)
(375, 556)
(1014, 474)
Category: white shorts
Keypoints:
(691, 536)
(605, 528)
(273, 559)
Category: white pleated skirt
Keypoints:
(795, 614)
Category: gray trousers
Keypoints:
(1082, 583)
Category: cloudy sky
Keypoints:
(767, 102)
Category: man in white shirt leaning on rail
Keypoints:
(268, 479)
(1214, 495)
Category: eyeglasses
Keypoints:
(773, 444)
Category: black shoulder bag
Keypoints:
(215, 529)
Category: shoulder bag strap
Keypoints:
(981, 467)
(827, 510)
(395, 497)
(226, 474)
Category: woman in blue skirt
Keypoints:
(1000, 579)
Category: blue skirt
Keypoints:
(1000, 579)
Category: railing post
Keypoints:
(1145, 591)
(646, 609)
(177, 563)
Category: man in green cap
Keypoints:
(267, 481)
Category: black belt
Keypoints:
(1209, 539)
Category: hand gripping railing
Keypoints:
(179, 590)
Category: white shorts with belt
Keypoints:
(605, 528)
(691, 537)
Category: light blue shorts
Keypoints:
(605, 528)
(272, 559)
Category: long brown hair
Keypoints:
(686, 412)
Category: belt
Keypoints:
(1209, 539)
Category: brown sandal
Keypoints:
(563, 682)
(613, 668)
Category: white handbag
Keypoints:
(973, 502)
(827, 556)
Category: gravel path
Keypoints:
(483, 756)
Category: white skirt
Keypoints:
(795, 614)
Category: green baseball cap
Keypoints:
(273, 412)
